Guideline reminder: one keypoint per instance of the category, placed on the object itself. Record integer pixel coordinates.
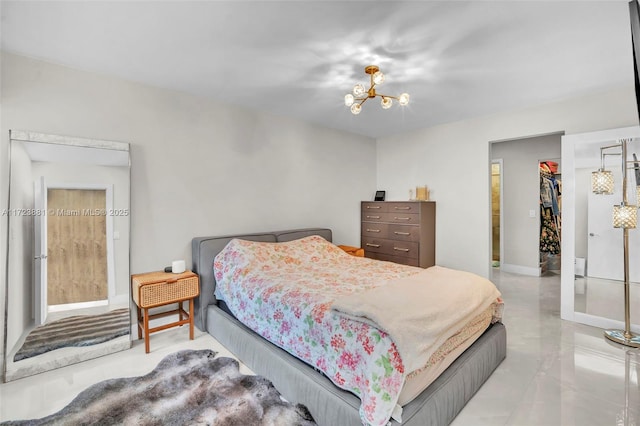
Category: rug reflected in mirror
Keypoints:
(78, 331)
(187, 387)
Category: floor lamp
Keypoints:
(625, 216)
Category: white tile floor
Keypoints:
(556, 372)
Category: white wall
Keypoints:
(521, 193)
(453, 160)
(198, 167)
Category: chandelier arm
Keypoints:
(387, 96)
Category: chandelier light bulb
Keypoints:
(358, 90)
(355, 109)
(386, 103)
(348, 99)
(378, 77)
(403, 99)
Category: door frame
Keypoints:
(111, 284)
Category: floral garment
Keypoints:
(284, 292)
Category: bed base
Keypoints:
(298, 382)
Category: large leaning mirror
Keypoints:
(68, 252)
(593, 270)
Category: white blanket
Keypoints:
(422, 311)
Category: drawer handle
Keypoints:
(402, 208)
(401, 249)
(373, 207)
(402, 218)
(373, 217)
(373, 245)
(401, 233)
(374, 230)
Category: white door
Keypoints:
(605, 247)
(40, 251)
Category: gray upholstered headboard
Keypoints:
(205, 249)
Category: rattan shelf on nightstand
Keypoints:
(154, 289)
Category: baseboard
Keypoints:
(522, 270)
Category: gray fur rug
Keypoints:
(186, 388)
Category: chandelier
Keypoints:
(360, 94)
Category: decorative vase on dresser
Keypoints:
(400, 231)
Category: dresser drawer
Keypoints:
(374, 207)
(406, 218)
(374, 230)
(390, 247)
(410, 207)
(374, 217)
(403, 232)
(396, 259)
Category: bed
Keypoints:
(438, 404)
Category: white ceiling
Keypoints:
(457, 59)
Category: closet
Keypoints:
(550, 216)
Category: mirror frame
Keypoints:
(71, 142)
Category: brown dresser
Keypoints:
(399, 231)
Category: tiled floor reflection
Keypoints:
(605, 298)
(556, 372)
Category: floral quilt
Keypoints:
(284, 292)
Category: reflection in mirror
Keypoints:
(599, 268)
(68, 258)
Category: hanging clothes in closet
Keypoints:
(550, 208)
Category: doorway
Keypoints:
(520, 218)
(496, 209)
(74, 257)
(550, 215)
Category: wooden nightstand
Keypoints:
(354, 251)
(154, 289)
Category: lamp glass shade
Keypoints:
(378, 77)
(348, 99)
(358, 90)
(403, 99)
(386, 103)
(602, 182)
(625, 216)
(355, 109)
